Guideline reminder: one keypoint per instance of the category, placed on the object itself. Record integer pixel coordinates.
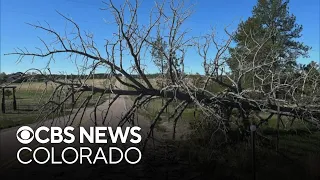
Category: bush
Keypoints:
(7, 93)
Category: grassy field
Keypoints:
(299, 147)
(30, 97)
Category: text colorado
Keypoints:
(67, 135)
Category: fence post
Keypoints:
(3, 105)
(14, 99)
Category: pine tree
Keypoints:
(158, 50)
(273, 26)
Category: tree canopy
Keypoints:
(270, 35)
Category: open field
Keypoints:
(298, 148)
(31, 96)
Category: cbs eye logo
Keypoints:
(25, 135)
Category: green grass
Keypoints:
(22, 118)
(32, 96)
(11, 120)
(299, 145)
(27, 102)
(298, 157)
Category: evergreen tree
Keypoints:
(158, 50)
(272, 26)
(3, 77)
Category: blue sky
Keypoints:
(207, 14)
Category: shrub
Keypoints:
(7, 93)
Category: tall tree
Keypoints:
(3, 77)
(272, 32)
(158, 53)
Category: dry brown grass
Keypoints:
(34, 86)
(40, 86)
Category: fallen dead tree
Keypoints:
(255, 88)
